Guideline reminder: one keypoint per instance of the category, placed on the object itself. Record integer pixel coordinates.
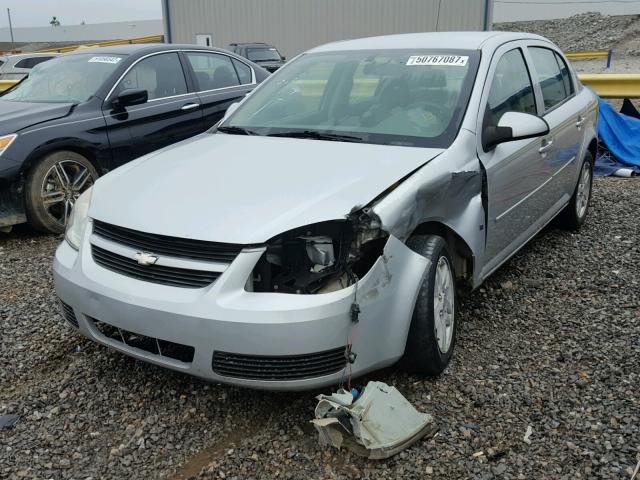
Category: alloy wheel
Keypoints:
(443, 304)
(62, 185)
(584, 190)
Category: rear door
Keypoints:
(564, 113)
(220, 80)
(171, 114)
(516, 171)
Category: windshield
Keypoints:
(413, 98)
(263, 54)
(65, 79)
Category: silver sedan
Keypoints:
(323, 229)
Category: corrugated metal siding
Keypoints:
(297, 25)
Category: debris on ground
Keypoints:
(527, 435)
(376, 423)
(8, 421)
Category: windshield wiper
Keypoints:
(235, 131)
(335, 137)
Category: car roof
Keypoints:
(143, 48)
(249, 44)
(448, 40)
(34, 54)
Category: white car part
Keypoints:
(378, 424)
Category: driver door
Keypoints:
(516, 171)
(172, 113)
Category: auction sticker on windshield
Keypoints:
(104, 59)
(446, 60)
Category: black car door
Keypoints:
(172, 112)
(220, 80)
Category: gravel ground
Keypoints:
(551, 341)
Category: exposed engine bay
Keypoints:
(322, 257)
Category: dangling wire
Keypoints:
(354, 313)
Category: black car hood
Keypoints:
(16, 116)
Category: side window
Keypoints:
(511, 89)
(244, 72)
(566, 75)
(160, 75)
(549, 76)
(365, 84)
(212, 70)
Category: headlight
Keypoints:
(78, 219)
(5, 141)
(319, 258)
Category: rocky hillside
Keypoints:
(586, 31)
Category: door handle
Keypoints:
(580, 122)
(546, 146)
(189, 106)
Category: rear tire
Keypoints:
(432, 334)
(53, 185)
(575, 213)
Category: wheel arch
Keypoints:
(82, 148)
(460, 250)
(593, 149)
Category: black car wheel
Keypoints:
(432, 334)
(52, 187)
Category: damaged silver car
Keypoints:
(325, 227)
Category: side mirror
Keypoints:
(129, 97)
(232, 108)
(514, 126)
(283, 58)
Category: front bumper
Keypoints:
(224, 317)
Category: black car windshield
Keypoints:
(263, 54)
(412, 98)
(65, 79)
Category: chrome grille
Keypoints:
(172, 276)
(288, 367)
(165, 245)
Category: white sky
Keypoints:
(32, 13)
(38, 13)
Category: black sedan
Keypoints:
(83, 114)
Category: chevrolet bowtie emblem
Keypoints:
(145, 258)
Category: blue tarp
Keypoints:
(620, 135)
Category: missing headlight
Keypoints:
(319, 258)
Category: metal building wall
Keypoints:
(297, 25)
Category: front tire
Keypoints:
(52, 187)
(575, 213)
(432, 334)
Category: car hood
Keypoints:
(244, 189)
(16, 116)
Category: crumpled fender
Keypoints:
(447, 190)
